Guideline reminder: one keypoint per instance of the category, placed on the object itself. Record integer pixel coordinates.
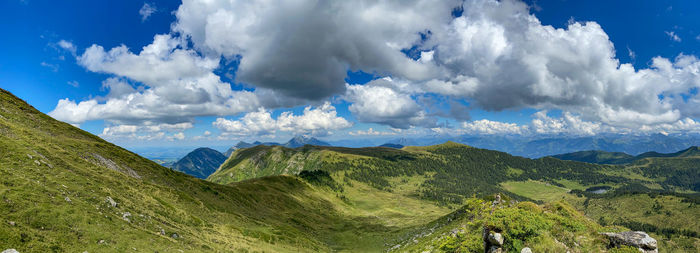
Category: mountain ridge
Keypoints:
(294, 142)
(604, 157)
(200, 163)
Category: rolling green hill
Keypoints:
(451, 171)
(679, 171)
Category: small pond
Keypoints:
(599, 189)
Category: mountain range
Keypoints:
(66, 190)
(295, 142)
(540, 146)
(202, 162)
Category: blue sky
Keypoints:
(474, 73)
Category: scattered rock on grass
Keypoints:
(111, 202)
(126, 216)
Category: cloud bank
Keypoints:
(495, 56)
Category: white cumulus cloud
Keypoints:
(146, 131)
(498, 56)
(177, 85)
(304, 48)
(383, 101)
(68, 46)
(495, 56)
(316, 121)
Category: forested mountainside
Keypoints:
(451, 173)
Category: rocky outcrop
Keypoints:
(99, 160)
(493, 242)
(495, 239)
(638, 239)
(111, 202)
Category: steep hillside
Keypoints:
(200, 163)
(65, 190)
(262, 160)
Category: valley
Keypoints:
(63, 189)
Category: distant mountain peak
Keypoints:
(301, 140)
(200, 163)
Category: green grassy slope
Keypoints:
(452, 171)
(678, 171)
(262, 160)
(555, 227)
(55, 180)
(669, 217)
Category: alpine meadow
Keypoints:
(484, 126)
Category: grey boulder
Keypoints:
(638, 239)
